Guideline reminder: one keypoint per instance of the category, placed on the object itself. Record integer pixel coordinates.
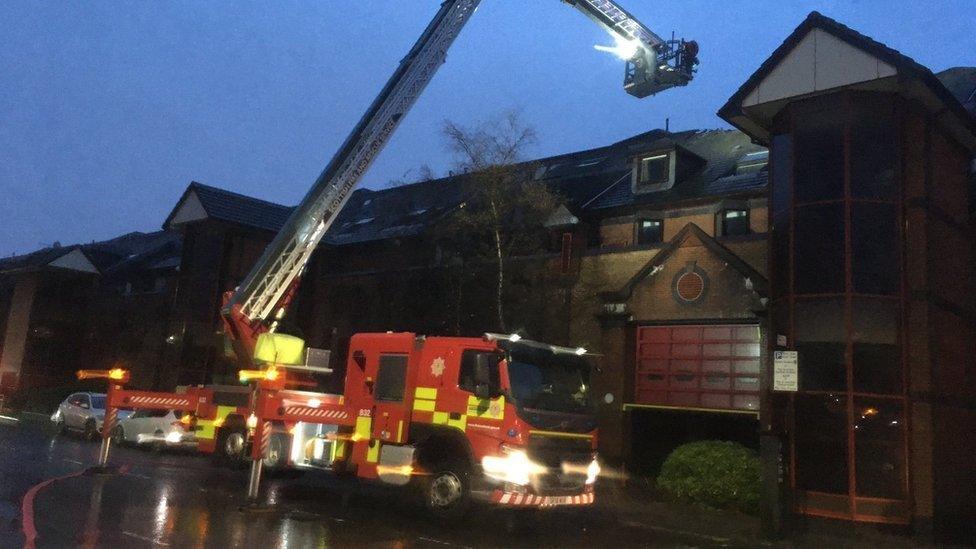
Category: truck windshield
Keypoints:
(548, 381)
(98, 402)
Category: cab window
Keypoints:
(480, 368)
(391, 378)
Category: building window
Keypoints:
(735, 222)
(655, 169)
(567, 252)
(650, 231)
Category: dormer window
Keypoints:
(654, 169)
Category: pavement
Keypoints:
(50, 498)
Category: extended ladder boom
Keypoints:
(260, 294)
(263, 296)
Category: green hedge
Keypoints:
(714, 473)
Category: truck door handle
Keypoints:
(455, 415)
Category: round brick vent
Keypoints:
(690, 286)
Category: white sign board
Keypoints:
(785, 371)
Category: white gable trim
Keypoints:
(561, 218)
(190, 209)
(76, 260)
(819, 62)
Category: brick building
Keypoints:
(64, 308)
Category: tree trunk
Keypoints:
(501, 266)
(501, 280)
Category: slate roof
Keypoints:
(722, 151)
(589, 180)
(372, 215)
(905, 65)
(104, 255)
(236, 208)
(961, 83)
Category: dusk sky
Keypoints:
(109, 109)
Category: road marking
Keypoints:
(640, 525)
(432, 540)
(27, 509)
(144, 538)
(76, 462)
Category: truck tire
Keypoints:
(446, 493)
(277, 456)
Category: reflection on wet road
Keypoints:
(173, 500)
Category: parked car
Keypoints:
(156, 428)
(82, 412)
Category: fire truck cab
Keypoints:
(497, 418)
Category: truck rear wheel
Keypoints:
(446, 493)
(277, 455)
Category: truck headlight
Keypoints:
(512, 466)
(592, 471)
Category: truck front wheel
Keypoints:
(446, 492)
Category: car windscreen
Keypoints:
(549, 381)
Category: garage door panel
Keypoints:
(686, 333)
(682, 398)
(716, 400)
(717, 367)
(653, 365)
(655, 336)
(746, 333)
(716, 350)
(654, 350)
(717, 333)
(747, 366)
(716, 383)
(685, 350)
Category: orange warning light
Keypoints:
(117, 374)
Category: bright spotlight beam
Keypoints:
(624, 49)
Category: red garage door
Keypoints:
(703, 367)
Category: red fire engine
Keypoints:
(497, 417)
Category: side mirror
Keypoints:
(481, 390)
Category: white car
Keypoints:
(82, 412)
(157, 428)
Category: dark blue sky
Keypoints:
(109, 109)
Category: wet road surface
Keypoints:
(180, 500)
